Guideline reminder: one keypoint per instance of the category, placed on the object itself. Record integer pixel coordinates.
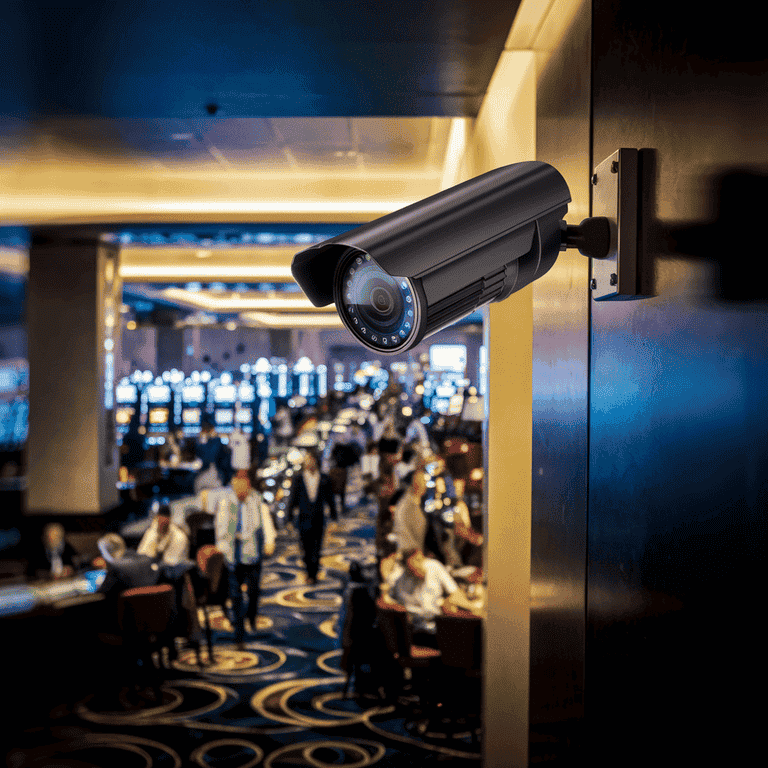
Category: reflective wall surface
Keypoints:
(560, 374)
(678, 421)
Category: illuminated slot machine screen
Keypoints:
(158, 419)
(247, 393)
(440, 405)
(224, 419)
(193, 393)
(123, 418)
(225, 394)
(191, 419)
(126, 393)
(244, 417)
(448, 357)
(455, 404)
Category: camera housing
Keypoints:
(406, 275)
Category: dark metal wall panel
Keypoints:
(678, 419)
(560, 375)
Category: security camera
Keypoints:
(410, 273)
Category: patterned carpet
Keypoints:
(276, 703)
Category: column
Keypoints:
(73, 305)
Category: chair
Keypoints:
(418, 660)
(460, 639)
(144, 616)
(211, 588)
(201, 530)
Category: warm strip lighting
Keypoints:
(236, 303)
(454, 151)
(13, 261)
(204, 272)
(275, 320)
(58, 204)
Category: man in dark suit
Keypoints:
(311, 493)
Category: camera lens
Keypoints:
(377, 307)
(383, 302)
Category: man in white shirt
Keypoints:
(245, 534)
(164, 541)
(422, 588)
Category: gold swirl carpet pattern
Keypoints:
(276, 701)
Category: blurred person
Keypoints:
(215, 457)
(312, 494)
(56, 558)
(467, 537)
(416, 431)
(240, 450)
(164, 541)
(245, 534)
(408, 519)
(389, 444)
(422, 588)
(259, 441)
(342, 454)
(369, 468)
(126, 569)
(282, 426)
(132, 447)
(405, 463)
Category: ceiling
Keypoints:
(270, 112)
(250, 58)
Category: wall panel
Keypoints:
(560, 405)
(679, 455)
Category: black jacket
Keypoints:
(311, 513)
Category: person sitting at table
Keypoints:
(125, 569)
(56, 559)
(164, 541)
(422, 588)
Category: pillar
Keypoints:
(73, 306)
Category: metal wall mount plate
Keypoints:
(615, 196)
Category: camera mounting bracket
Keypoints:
(610, 237)
(615, 196)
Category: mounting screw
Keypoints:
(615, 166)
(593, 284)
(594, 179)
(614, 279)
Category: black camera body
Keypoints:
(410, 273)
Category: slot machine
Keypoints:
(282, 386)
(127, 399)
(224, 399)
(303, 378)
(159, 404)
(244, 410)
(192, 404)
